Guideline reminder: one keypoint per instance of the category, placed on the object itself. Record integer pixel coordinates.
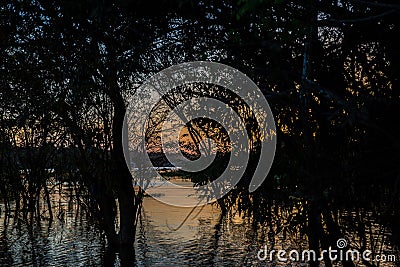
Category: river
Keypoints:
(166, 236)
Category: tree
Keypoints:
(329, 70)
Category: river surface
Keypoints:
(166, 236)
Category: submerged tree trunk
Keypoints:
(129, 202)
(127, 209)
(107, 216)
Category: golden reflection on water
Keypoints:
(166, 236)
(181, 221)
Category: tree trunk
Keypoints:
(128, 201)
(127, 210)
(108, 212)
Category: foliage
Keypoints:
(329, 69)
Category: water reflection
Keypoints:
(68, 241)
(206, 238)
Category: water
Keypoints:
(203, 240)
(68, 241)
(166, 236)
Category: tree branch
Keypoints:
(336, 22)
(376, 4)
